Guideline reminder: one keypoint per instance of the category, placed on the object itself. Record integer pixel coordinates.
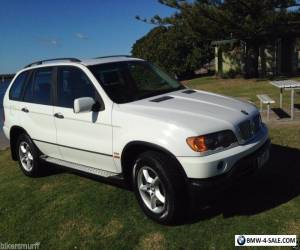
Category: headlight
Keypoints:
(202, 143)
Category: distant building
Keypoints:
(279, 57)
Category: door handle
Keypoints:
(25, 110)
(59, 115)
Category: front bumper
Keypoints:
(242, 168)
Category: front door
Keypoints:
(84, 138)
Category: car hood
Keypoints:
(200, 111)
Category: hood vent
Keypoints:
(161, 99)
(189, 91)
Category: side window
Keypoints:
(38, 89)
(15, 91)
(72, 84)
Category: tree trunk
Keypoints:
(251, 61)
(255, 61)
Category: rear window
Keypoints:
(15, 92)
(38, 89)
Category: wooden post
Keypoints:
(261, 106)
(292, 104)
(281, 98)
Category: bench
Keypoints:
(265, 99)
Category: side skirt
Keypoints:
(81, 168)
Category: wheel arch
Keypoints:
(14, 133)
(134, 148)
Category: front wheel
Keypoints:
(159, 187)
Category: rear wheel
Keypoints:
(28, 156)
(159, 187)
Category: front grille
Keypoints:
(249, 128)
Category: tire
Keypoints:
(159, 187)
(28, 156)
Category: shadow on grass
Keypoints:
(297, 106)
(281, 113)
(277, 184)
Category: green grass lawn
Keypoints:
(67, 211)
(241, 88)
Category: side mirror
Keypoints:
(83, 104)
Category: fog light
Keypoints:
(221, 165)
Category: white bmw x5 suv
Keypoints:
(122, 117)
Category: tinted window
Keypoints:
(38, 90)
(72, 84)
(16, 88)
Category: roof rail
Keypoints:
(112, 56)
(54, 59)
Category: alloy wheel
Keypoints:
(25, 156)
(151, 189)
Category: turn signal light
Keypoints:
(197, 143)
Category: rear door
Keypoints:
(84, 138)
(36, 110)
(15, 104)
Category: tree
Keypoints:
(252, 22)
(174, 50)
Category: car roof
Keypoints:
(89, 62)
(85, 62)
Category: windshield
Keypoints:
(133, 80)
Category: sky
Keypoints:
(31, 30)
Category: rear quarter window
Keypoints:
(15, 92)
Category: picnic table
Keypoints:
(290, 85)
